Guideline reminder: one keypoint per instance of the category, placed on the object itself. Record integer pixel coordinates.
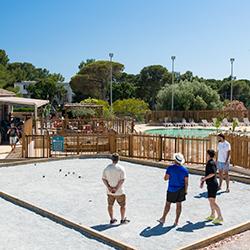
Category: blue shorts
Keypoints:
(223, 166)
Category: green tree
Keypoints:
(6, 78)
(47, 89)
(84, 63)
(241, 91)
(135, 108)
(151, 80)
(193, 95)
(93, 80)
(4, 59)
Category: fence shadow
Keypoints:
(155, 231)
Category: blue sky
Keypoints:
(58, 34)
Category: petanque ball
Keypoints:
(43, 176)
(60, 170)
(66, 175)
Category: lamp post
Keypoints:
(172, 102)
(232, 65)
(111, 76)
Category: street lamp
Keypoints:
(172, 102)
(232, 65)
(111, 76)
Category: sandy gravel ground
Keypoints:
(24, 230)
(83, 200)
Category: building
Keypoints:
(69, 93)
(67, 98)
(23, 87)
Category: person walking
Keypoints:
(113, 178)
(177, 175)
(212, 187)
(13, 136)
(223, 160)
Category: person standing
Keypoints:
(212, 187)
(223, 160)
(177, 175)
(13, 135)
(113, 178)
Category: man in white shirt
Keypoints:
(113, 178)
(223, 159)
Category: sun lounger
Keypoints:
(246, 121)
(225, 123)
(205, 123)
(167, 123)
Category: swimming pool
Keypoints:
(185, 132)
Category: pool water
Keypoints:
(185, 132)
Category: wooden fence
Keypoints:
(240, 150)
(87, 126)
(196, 115)
(142, 146)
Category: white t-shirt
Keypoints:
(223, 148)
(113, 173)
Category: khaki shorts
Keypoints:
(121, 200)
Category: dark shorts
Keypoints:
(177, 196)
(212, 190)
(121, 200)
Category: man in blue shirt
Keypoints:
(177, 187)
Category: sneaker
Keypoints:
(113, 221)
(210, 218)
(217, 221)
(125, 221)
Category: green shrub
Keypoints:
(81, 112)
(135, 108)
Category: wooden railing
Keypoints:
(87, 126)
(240, 150)
(142, 146)
(196, 115)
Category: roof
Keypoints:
(4, 92)
(23, 101)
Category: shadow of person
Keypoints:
(103, 227)
(221, 192)
(201, 195)
(156, 230)
(191, 227)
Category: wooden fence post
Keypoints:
(112, 143)
(131, 146)
(160, 148)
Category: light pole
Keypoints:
(111, 76)
(232, 66)
(172, 102)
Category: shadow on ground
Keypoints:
(204, 194)
(103, 227)
(155, 231)
(191, 227)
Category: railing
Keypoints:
(142, 146)
(87, 126)
(240, 150)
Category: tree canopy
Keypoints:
(93, 79)
(188, 95)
